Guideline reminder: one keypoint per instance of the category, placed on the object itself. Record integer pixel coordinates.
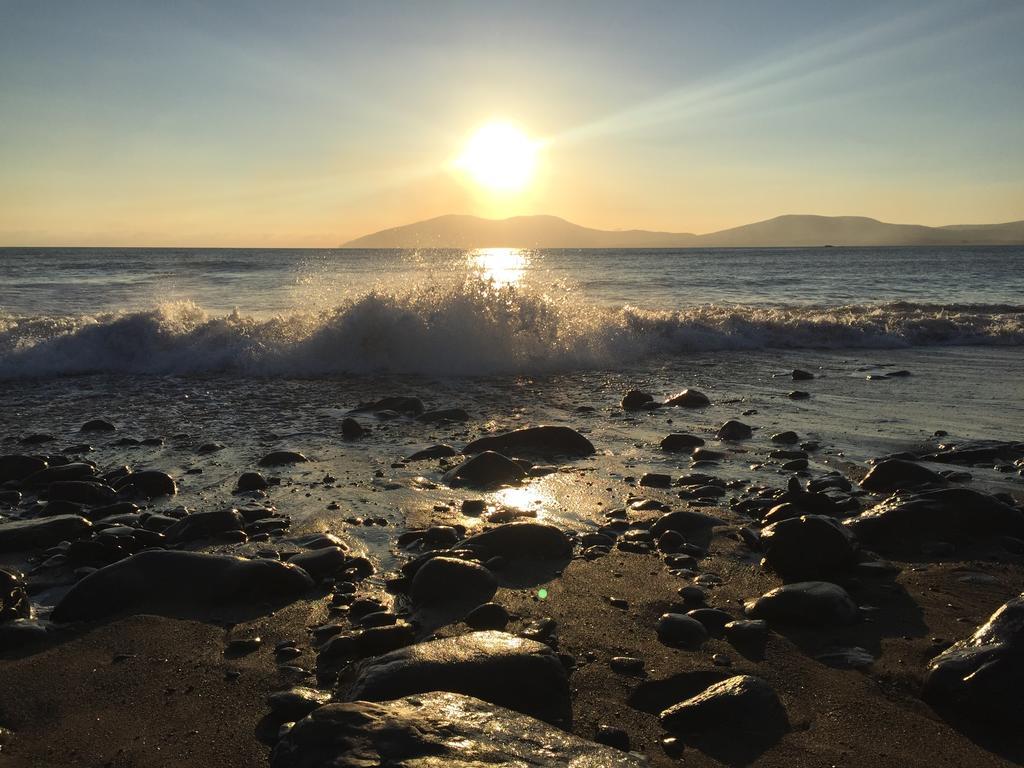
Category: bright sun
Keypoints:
(499, 157)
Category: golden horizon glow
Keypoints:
(499, 157)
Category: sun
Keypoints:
(499, 157)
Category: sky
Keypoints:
(311, 123)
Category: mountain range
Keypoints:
(791, 231)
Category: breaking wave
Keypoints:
(470, 329)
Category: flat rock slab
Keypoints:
(436, 729)
(497, 667)
(42, 532)
(182, 583)
(535, 441)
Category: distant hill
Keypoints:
(456, 231)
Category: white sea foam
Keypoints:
(472, 328)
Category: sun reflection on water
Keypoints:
(499, 266)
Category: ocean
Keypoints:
(324, 312)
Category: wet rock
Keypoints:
(432, 452)
(810, 603)
(296, 703)
(207, 448)
(612, 737)
(977, 451)
(149, 483)
(497, 667)
(10, 498)
(713, 619)
(77, 470)
(81, 492)
(42, 532)
(798, 394)
(375, 641)
(485, 470)
(685, 522)
(280, 458)
(242, 646)
(786, 438)
(14, 602)
(738, 704)
(983, 673)
(678, 442)
(203, 525)
(320, 563)
(946, 514)
(16, 467)
(655, 480)
(626, 665)
(116, 509)
(745, 632)
(688, 398)
(444, 414)
(98, 425)
(801, 375)
(682, 630)
(410, 406)
(488, 616)
(351, 429)
(525, 540)
(158, 581)
(251, 481)
(447, 581)
(635, 400)
(441, 728)
(734, 430)
(807, 546)
(897, 474)
(535, 441)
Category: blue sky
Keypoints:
(310, 123)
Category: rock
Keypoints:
(447, 581)
(161, 580)
(811, 603)
(983, 674)
(202, 525)
(626, 665)
(685, 522)
(14, 602)
(896, 474)
(438, 728)
(524, 540)
(688, 398)
(19, 633)
(433, 452)
(279, 458)
(488, 616)
(251, 481)
(296, 703)
(81, 492)
(787, 438)
(734, 430)
(410, 406)
(612, 737)
(207, 448)
(678, 442)
(320, 563)
(98, 425)
(746, 631)
(541, 441)
(680, 629)
(798, 394)
(739, 704)
(713, 619)
(374, 641)
(485, 470)
(19, 535)
(655, 480)
(17, 467)
(946, 514)
(77, 470)
(634, 400)
(808, 546)
(444, 414)
(351, 429)
(116, 509)
(497, 667)
(149, 483)
(978, 451)
(800, 375)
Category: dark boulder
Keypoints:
(809, 546)
(351, 429)
(635, 400)
(251, 481)
(809, 603)
(739, 704)
(678, 442)
(280, 458)
(534, 441)
(734, 430)
(488, 616)
(449, 582)
(81, 492)
(897, 475)
(432, 452)
(14, 602)
(18, 467)
(682, 630)
(295, 703)
(180, 583)
(438, 728)
(485, 470)
(76, 470)
(500, 668)
(202, 525)
(520, 541)
(801, 375)
(321, 563)
(98, 425)
(688, 398)
(685, 522)
(149, 483)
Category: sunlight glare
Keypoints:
(499, 266)
(499, 157)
